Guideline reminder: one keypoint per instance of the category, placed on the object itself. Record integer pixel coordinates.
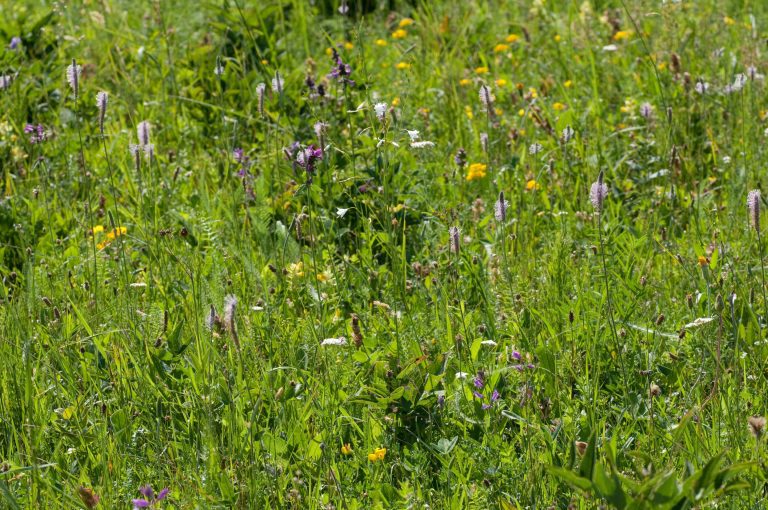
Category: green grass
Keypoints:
(621, 354)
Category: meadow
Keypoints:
(344, 254)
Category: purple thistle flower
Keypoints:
(598, 192)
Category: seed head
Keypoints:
(73, 76)
(277, 83)
(260, 89)
(453, 232)
(143, 132)
(500, 208)
(486, 98)
(101, 104)
(753, 204)
(756, 426)
(598, 192)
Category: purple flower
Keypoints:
(149, 500)
(307, 158)
(477, 395)
(460, 158)
(15, 43)
(495, 396)
(516, 355)
(486, 406)
(37, 133)
(340, 70)
(441, 401)
(479, 383)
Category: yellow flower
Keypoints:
(533, 93)
(662, 66)
(476, 171)
(558, 107)
(402, 65)
(629, 106)
(501, 82)
(558, 38)
(17, 153)
(498, 111)
(396, 101)
(97, 229)
(500, 47)
(378, 454)
(568, 84)
(468, 111)
(703, 261)
(512, 38)
(329, 51)
(622, 35)
(380, 42)
(399, 34)
(532, 185)
(116, 232)
(346, 449)
(264, 61)
(521, 112)
(348, 45)
(322, 277)
(296, 269)
(405, 22)
(729, 21)
(464, 82)
(481, 70)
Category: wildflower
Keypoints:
(399, 34)
(308, 157)
(476, 171)
(753, 74)
(422, 144)
(37, 133)
(341, 71)
(260, 88)
(499, 48)
(486, 98)
(334, 341)
(453, 234)
(516, 355)
(277, 83)
(646, 110)
(484, 142)
(441, 400)
(500, 208)
(381, 111)
(101, 104)
(622, 35)
(477, 395)
(535, 148)
(567, 134)
(464, 82)
(728, 20)
(5, 81)
(756, 425)
(557, 38)
(581, 447)
(701, 87)
(218, 69)
(558, 107)
(512, 38)
(495, 396)
(461, 157)
(568, 84)
(405, 22)
(230, 305)
(753, 205)
(135, 151)
(702, 260)
(73, 76)
(413, 134)
(346, 449)
(481, 70)
(89, 498)
(143, 132)
(15, 43)
(320, 130)
(598, 192)
(500, 82)
(479, 381)
(377, 455)
(402, 66)
(532, 185)
(149, 500)
(380, 42)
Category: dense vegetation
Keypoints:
(291, 254)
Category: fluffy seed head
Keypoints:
(753, 204)
(453, 232)
(486, 98)
(143, 131)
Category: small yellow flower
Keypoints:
(402, 66)
(662, 66)
(264, 61)
(329, 51)
(501, 82)
(322, 277)
(346, 449)
(481, 70)
(729, 21)
(377, 455)
(296, 270)
(532, 185)
(558, 38)
(500, 48)
(533, 93)
(629, 106)
(464, 82)
(348, 45)
(568, 84)
(468, 111)
(17, 153)
(405, 22)
(703, 261)
(498, 111)
(512, 38)
(521, 112)
(380, 42)
(399, 34)
(97, 229)
(622, 35)
(558, 107)
(396, 101)
(476, 171)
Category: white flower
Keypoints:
(535, 148)
(610, 47)
(422, 145)
(5, 81)
(73, 76)
(701, 87)
(381, 110)
(567, 134)
(461, 375)
(277, 83)
(414, 134)
(334, 341)
(143, 130)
